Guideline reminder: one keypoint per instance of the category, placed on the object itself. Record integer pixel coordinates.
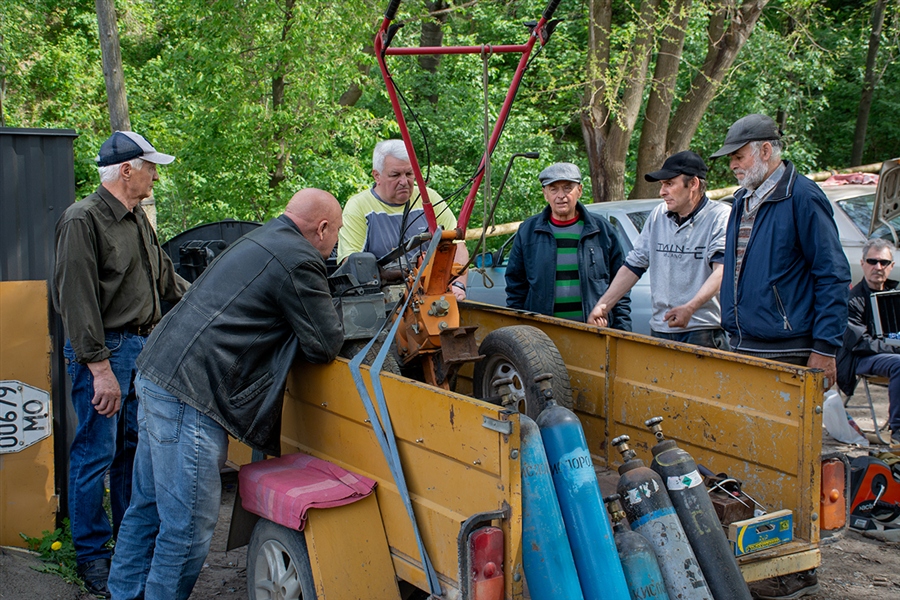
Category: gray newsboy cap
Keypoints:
(752, 128)
(560, 172)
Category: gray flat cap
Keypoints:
(752, 128)
(560, 172)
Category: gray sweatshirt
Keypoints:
(680, 260)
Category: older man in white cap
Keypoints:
(564, 258)
(110, 277)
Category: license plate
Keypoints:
(24, 416)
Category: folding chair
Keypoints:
(876, 380)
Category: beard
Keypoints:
(755, 175)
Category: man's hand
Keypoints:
(458, 292)
(827, 364)
(679, 316)
(107, 395)
(599, 315)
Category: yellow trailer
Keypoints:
(757, 420)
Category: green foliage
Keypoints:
(204, 83)
(57, 552)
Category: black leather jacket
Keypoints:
(227, 347)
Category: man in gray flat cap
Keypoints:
(564, 258)
(786, 281)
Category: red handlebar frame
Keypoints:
(524, 49)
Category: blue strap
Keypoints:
(384, 430)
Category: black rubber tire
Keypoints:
(352, 347)
(278, 564)
(522, 352)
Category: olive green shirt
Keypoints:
(111, 272)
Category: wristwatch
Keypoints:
(459, 284)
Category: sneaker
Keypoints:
(895, 438)
(785, 587)
(95, 575)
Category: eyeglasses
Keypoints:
(879, 261)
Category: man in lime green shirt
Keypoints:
(379, 219)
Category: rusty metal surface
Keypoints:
(757, 420)
(28, 501)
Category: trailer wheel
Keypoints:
(278, 564)
(522, 352)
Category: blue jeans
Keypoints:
(169, 525)
(101, 444)
(711, 338)
(885, 365)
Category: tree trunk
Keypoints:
(725, 43)
(652, 147)
(433, 35)
(594, 114)
(869, 83)
(112, 65)
(621, 126)
(278, 83)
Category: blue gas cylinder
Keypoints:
(588, 529)
(651, 514)
(645, 580)
(547, 557)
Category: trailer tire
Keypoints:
(522, 352)
(278, 564)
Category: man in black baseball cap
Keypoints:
(682, 246)
(785, 274)
(110, 277)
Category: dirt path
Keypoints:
(853, 567)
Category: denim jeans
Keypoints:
(885, 365)
(169, 525)
(711, 338)
(101, 444)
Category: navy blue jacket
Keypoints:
(531, 269)
(227, 347)
(794, 283)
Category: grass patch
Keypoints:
(57, 552)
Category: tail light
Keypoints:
(486, 564)
(833, 505)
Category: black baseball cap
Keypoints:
(681, 163)
(126, 145)
(752, 128)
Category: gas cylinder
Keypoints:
(645, 581)
(698, 517)
(651, 514)
(547, 557)
(590, 534)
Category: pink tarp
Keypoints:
(852, 178)
(283, 489)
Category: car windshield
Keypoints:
(639, 219)
(859, 209)
(620, 233)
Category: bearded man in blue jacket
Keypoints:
(786, 283)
